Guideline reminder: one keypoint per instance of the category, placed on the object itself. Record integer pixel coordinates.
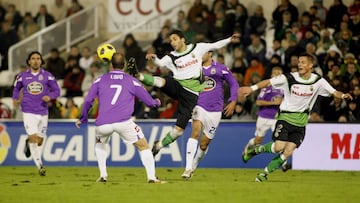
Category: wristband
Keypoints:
(254, 87)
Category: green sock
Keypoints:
(167, 140)
(148, 80)
(274, 164)
(264, 148)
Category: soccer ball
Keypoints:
(105, 52)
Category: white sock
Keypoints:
(251, 142)
(147, 160)
(190, 152)
(158, 81)
(198, 156)
(35, 154)
(100, 152)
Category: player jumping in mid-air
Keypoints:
(185, 62)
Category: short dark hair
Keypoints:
(118, 61)
(178, 33)
(310, 57)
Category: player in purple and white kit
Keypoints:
(207, 113)
(38, 88)
(268, 100)
(115, 91)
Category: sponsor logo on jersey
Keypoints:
(210, 84)
(35, 88)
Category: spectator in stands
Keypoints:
(132, 49)
(321, 12)
(349, 59)
(74, 53)
(180, 20)
(43, 18)
(27, 27)
(235, 18)
(70, 110)
(351, 73)
(346, 44)
(309, 37)
(227, 57)
(255, 68)
(285, 7)
(239, 67)
(162, 43)
(282, 26)
(305, 23)
(90, 76)
(325, 42)
(201, 27)
(333, 71)
(256, 23)
(55, 64)
(275, 61)
(334, 109)
(14, 15)
(59, 10)
(276, 49)
(354, 24)
(256, 49)
(86, 59)
(293, 50)
(189, 33)
(356, 94)
(353, 113)
(73, 81)
(217, 29)
(195, 10)
(8, 37)
(75, 7)
(335, 14)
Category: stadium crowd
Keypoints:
(330, 32)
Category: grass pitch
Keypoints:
(125, 184)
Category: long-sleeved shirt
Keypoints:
(187, 66)
(34, 87)
(212, 98)
(115, 92)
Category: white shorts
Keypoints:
(128, 131)
(35, 124)
(209, 120)
(263, 125)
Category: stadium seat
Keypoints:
(62, 100)
(78, 101)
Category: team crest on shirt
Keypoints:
(41, 77)
(210, 84)
(213, 71)
(311, 88)
(193, 55)
(35, 88)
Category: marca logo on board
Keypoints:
(342, 147)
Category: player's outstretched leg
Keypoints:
(131, 67)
